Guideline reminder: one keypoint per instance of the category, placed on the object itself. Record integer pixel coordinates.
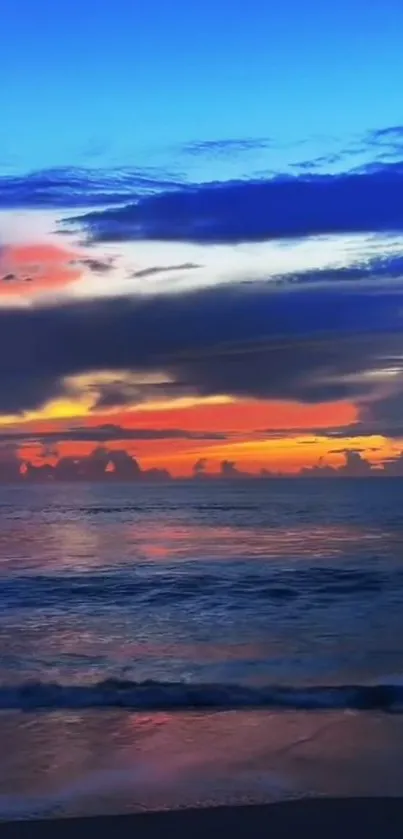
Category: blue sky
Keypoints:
(128, 82)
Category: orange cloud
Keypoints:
(236, 416)
(245, 423)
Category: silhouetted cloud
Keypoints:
(354, 466)
(199, 468)
(102, 464)
(229, 469)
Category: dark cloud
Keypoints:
(199, 468)
(311, 345)
(159, 269)
(354, 466)
(121, 392)
(228, 469)
(386, 412)
(383, 415)
(107, 433)
(376, 270)
(98, 266)
(102, 464)
(248, 211)
(379, 414)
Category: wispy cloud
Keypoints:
(226, 147)
(162, 269)
(386, 140)
(106, 433)
(75, 187)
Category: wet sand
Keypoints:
(314, 818)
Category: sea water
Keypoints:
(172, 644)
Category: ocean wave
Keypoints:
(139, 584)
(182, 696)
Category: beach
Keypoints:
(373, 818)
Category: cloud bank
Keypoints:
(246, 341)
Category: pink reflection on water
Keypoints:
(82, 546)
(70, 763)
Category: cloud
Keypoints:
(224, 148)
(100, 465)
(228, 469)
(199, 468)
(246, 341)
(319, 162)
(252, 211)
(80, 187)
(89, 186)
(382, 415)
(389, 140)
(106, 433)
(354, 466)
(98, 266)
(158, 269)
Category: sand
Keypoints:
(314, 818)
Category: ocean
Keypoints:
(187, 643)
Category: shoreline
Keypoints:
(311, 817)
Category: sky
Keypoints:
(201, 236)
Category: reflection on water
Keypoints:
(284, 581)
(267, 582)
(83, 527)
(112, 762)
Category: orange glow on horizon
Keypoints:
(246, 436)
